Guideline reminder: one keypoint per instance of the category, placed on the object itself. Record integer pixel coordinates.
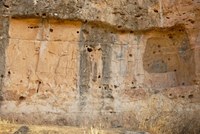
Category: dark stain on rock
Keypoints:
(159, 66)
(84, 72)
(190, 96)
(183, 49)
(4, 27)
(94, 79)
(91, 36)
(106, 58)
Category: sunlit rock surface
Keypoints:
(132, 64)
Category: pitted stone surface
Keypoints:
(125, 63)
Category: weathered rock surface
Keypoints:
(124, 63)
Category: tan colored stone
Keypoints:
(132, 64)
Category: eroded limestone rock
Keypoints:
(127, 64)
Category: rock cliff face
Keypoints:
(120, 63)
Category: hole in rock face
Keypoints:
(138, 15)
(119, 26)
(9, 73)
(170, 36)
(22, 98)
(51, 30)
(155, 10)
(89, 49)
(190, 96)
(44, 14)
(39, 82)
(32, 27)
(191, 21)
(85, 21)
(6, 6)
(134, 87)
(140, 8)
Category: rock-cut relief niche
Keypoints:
(168, 60)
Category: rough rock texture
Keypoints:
(121, 63)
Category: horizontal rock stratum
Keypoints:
(132, 64)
